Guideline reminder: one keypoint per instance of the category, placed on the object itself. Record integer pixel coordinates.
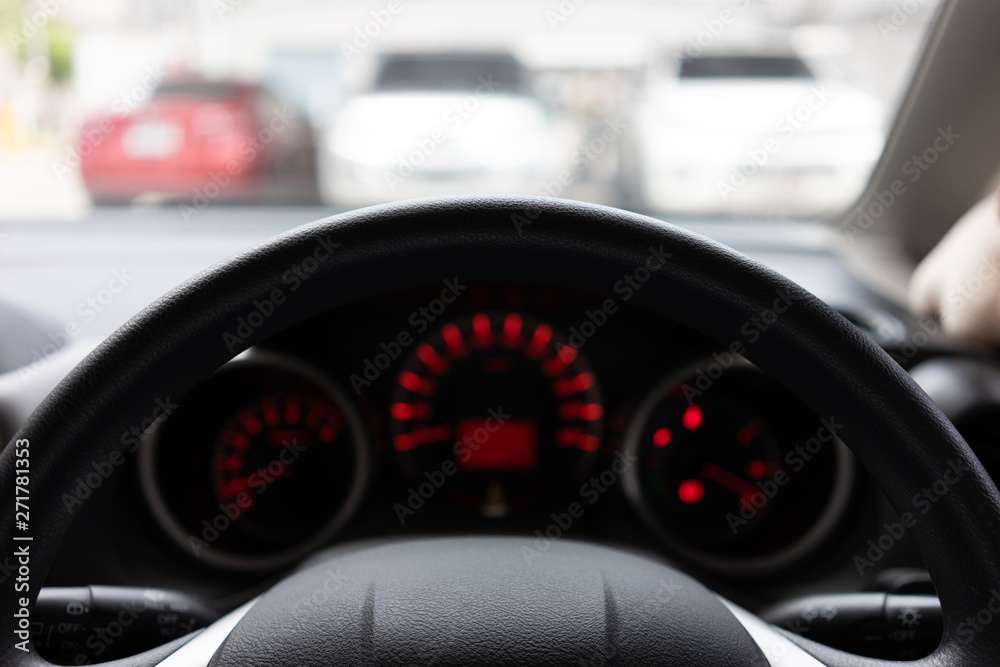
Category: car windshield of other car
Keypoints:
(767, 67)
(459, 71)
(198, 89)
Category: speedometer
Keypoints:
(498, 404)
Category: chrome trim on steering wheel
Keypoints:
(199, 651)
(778, 649)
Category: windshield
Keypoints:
(713, 109)
(450, 71)
(745, 67)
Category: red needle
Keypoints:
(731, 481)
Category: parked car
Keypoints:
(437, 123)
(200, 141)
(735, 134)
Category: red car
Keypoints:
(201, 142)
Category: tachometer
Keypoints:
(264, 461)
(274, 438)
(501, 404)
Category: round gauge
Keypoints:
(501, 404)
(263, 462)
(734, 471)
(264, 442)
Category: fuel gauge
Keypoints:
(741, 475)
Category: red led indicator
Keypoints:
(572, 436)
(568, 436)
(512, 329)
(235, 486)
(692, 418)
(757, 469)
(240, 441)
(250, 422)
(403, 411)
(482, 330)
(415, 383)
(409, 411)
(589, 442)
(453, 339)
(431, 358)
(561, 361)
(584, 381)
(328, 433)
(272, 416)
(746, 434)
(540, 340)
(422, 436)
(691, 491)
(573, 385)
(581, 411)
(662, 436)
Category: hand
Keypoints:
(959, 281)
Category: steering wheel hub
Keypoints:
(488, 601)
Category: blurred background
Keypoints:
(703, 108)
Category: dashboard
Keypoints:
(466, 407)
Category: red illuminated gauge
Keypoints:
(500, 404)
(738, 475)
(262, 445)
(266, 460)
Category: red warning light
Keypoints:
(662, 437)
(692, 418)
(691, 491)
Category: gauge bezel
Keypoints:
(794, 552)
(230, 560)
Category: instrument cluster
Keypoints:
(501, 407)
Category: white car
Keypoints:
(438, 124)
(754, 135)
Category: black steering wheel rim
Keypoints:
(890, 424)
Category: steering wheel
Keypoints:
(476, 600)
